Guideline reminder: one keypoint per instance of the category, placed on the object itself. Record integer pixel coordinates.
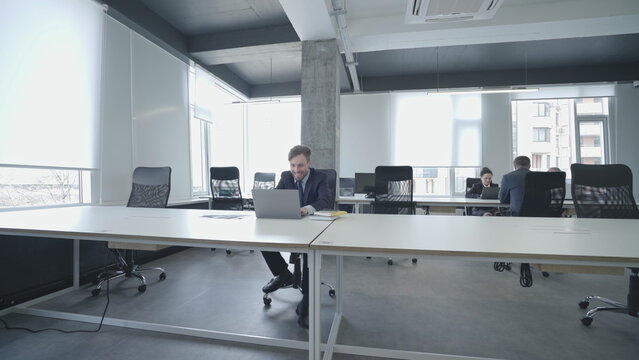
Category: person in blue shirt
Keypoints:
(512, 184)
(314, 195)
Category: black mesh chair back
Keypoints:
(225, 188)
(603, 191)
(471, 181)
(264, 180)
(331, 176)
(544, 194)
(151, 187)
(394, 190)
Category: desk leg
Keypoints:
(210, 204)
(338, 283)
(76, 263)
(356, 208)
(314, 343)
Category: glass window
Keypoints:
(572, 131)
(26, 187)
(541, 134)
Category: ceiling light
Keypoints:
(481, 91)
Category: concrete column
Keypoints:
(320, 102)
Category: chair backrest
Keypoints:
(264, 180)
(331, 176)
(471, 181)
(346, 186)
(603, 191)
(544, 194)
(394, 190)
(151, 187)
(225, 188)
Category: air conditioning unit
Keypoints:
(437, 11)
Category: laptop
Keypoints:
(276, 204)
(490, 192)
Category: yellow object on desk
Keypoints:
(327, 215)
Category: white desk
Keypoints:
(167, 227)
(572, 241)
(433, 201)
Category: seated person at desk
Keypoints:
(512, 184)
(554, 169)
(486, 176)
(314, 195)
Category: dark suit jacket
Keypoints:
(475, 192)
(476, 189)
(316, 191)
(512, 189)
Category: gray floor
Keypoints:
(436, 306)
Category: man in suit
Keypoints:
(314, 195)
(512, 184)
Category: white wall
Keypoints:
(365, 133)
(144, 115)
(627, 130)
(116, 148)
(160, 113)
(496, 134)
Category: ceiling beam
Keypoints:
(249, 53)
(310, 18)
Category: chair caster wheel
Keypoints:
(586, 321)
(414, 261)
(212, 249)
(95, 292)
(331, 293)
(228, 252)
(545, 274)
(267, 301)
(251, 251)
(142, 288)
(507, 267)
(368, 258)
(583, 304)
(390, 262)
(162, 276)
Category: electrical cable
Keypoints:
(525, 278)
(8, 327)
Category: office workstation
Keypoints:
(202, 85)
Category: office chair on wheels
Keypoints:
(605, 191)
(544, 194)
(468, 210)
(151, 188)
(394, 192)
(226, 191)
(298, 260)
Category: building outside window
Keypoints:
(541, 134)
(574, 130)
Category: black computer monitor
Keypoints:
(364, 183)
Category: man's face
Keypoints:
(299, 166)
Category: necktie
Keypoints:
(300, 190)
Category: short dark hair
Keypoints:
(300, 150)
(522, 161)
(485, 171)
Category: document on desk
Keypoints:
(225, 216)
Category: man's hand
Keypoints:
(304, 211)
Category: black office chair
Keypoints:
(296, 259)
(544, 194)
(605, 191)
(468, 210)
(225, 190)
(264, 180)
(150, 189)
(394, 192)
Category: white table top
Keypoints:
(437, 201)
(161, 226)
(612, 241)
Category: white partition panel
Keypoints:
(365, 133)
(160, 113)
(116, 149)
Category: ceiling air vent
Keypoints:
(437, 11)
